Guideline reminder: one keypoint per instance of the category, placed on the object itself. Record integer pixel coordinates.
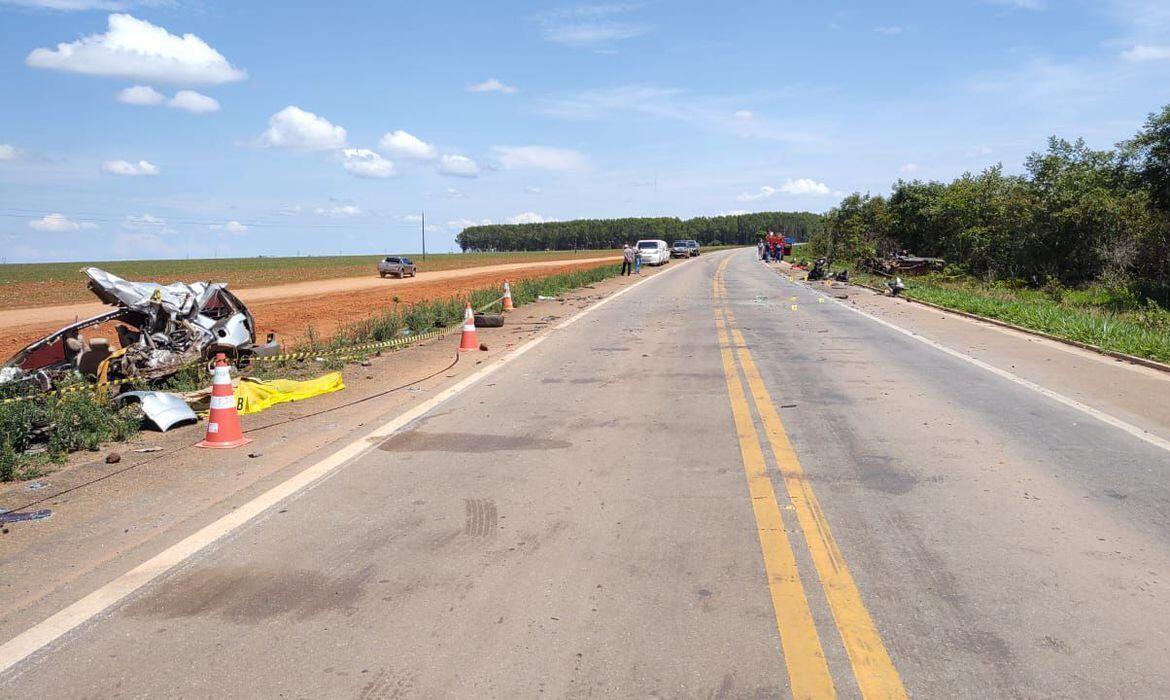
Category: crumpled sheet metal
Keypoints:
(163, 409)
(178, 299)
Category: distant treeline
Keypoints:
(595, 234)
(1076, 216)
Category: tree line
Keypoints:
(1075, 216)
(595, 234)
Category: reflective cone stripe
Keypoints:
(507, 297)
(468, 341)
(223, 423)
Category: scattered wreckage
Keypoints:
(904, 264)
(162, 328)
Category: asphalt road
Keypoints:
(719, 484)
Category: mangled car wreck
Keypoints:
(161, 329)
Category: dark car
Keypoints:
(396, 267)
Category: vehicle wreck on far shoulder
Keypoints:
(905, 264)
(162, 328)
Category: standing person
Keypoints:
(627, 260)
(637, 261)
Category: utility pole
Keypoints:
(424, 234)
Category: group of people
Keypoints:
(631, 260)
(772, 247)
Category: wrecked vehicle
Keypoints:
(161, 329)
(905, 264)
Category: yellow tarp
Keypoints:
(255, 395)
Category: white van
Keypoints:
(654, 252)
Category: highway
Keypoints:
(717, 483)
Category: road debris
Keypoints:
(149, 449)
(163, 409)
(113, 458)
(163, 329)
(19, 517)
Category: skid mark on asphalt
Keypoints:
(248, 594)
(469, 443)
(387, 685)
(481, 517)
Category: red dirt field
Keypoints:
(311, 307)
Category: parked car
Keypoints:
(654, 252)
(681, 249)
(694, 248)
(396, 267)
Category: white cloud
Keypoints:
(457, 166)
(401, 144)
(412, 218)
(889, 30)
(141, 95)
(798, 187)
(339, 210)
(147, 224)
(979, 151)
(362, 162)
(8, 152)
(290, 210)
(909, 168)
(230, 227)
(804, 185)
(134, 48)
(294, 128)
(1147, 52)
(528, 217)
(589, 26)
(452, 193)
(491, 85)
(126, 168)
(532, 189)
(540, 158)
(460, 224)
(194, 102)
(744, 115)
(59, 223)
(763, 193)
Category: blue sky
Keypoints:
(198, 128)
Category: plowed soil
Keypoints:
(291, 310)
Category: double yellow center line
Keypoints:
(808, 671)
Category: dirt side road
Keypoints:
(290, 309)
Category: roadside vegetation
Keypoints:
(709, 231)
(41, 431)
(1077, 246)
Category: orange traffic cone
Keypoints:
(223, 425)
(468, 341)
(507, 297)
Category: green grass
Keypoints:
(1097, 315)
(1094, 315)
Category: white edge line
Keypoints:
(1133, 430)
(69, 618)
